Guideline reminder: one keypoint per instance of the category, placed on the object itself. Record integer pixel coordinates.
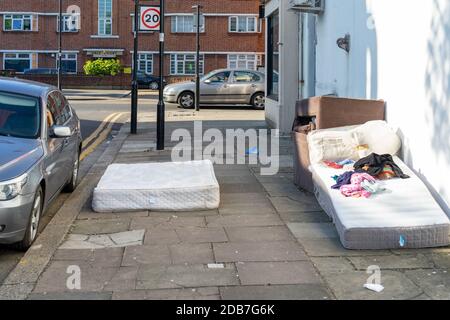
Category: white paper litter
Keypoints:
(216, 266)
(374, 287)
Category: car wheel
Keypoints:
(72, 184)
(258, 101)
(154, 85)
(33, 223)
(186, 100)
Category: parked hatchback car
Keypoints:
(40, 145)
(148, 81)
(224, 86)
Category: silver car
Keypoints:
(40, 144)
(224, 86)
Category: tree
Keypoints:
(102, 67)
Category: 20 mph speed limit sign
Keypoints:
(150, 19)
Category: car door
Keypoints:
(70, 144)
(243, 86)
(215, 89)
(53, 163)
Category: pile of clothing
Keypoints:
(362, 181)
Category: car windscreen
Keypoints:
(19, 116)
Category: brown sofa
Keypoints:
(323, 113)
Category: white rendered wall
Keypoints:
(400, 52)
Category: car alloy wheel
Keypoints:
(72, 184)
(187, 100)
(35, 216)
(33, 222)
(154, 85)
(259, 101)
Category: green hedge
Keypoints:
(102, 67)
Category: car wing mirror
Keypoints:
(60, 132)
(208, 81)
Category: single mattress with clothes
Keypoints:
(375, 200)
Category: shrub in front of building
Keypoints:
(102, 67)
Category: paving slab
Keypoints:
(332, 264)
(392, 262)
(54, 278)
(100, 226)
(156, 236)
(302, 204)
(200, 213)
(111, 257)
(206, 293)
(171, 221)
(179, 276)
(435, 283)
(349, 286)
(332, 247)
(259, 234)
(282, 189)
(241, 188)
(192, 253)
(258, 251)
(276, 292)
(113, 240)
(147, 254)
(440, 260)
(202, 235)
(244, 220)
(271, 273)
(313, 230)
(71, 296)
(305, 217)
(90, 214)
(123, 280)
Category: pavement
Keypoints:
(267, 240)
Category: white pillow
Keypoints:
(333, 144)
(380, 137)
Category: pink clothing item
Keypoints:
(355, 189)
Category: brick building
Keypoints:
(232, 35)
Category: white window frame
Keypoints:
(65, 57)
(236, 61)
(247, 24)
(23, 18)
(103, 21)
(65, 18)
(174, 27)
(177, 59)
(17, 57)
(148, 60)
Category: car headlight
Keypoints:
(11, 189)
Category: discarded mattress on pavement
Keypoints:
(401, 214)
(169, 186)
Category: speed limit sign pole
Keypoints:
(160, 117)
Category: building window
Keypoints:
(145, 63)
(243, 61)
(105, 17)
(17, 61)
(185, 24)
(70, 23)
(273, 36)
(246, 24)
(184, 64)
(17, 22)
(69, 62)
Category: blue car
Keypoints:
(40, 145)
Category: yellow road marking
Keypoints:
(98, 130)
(103, 135)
